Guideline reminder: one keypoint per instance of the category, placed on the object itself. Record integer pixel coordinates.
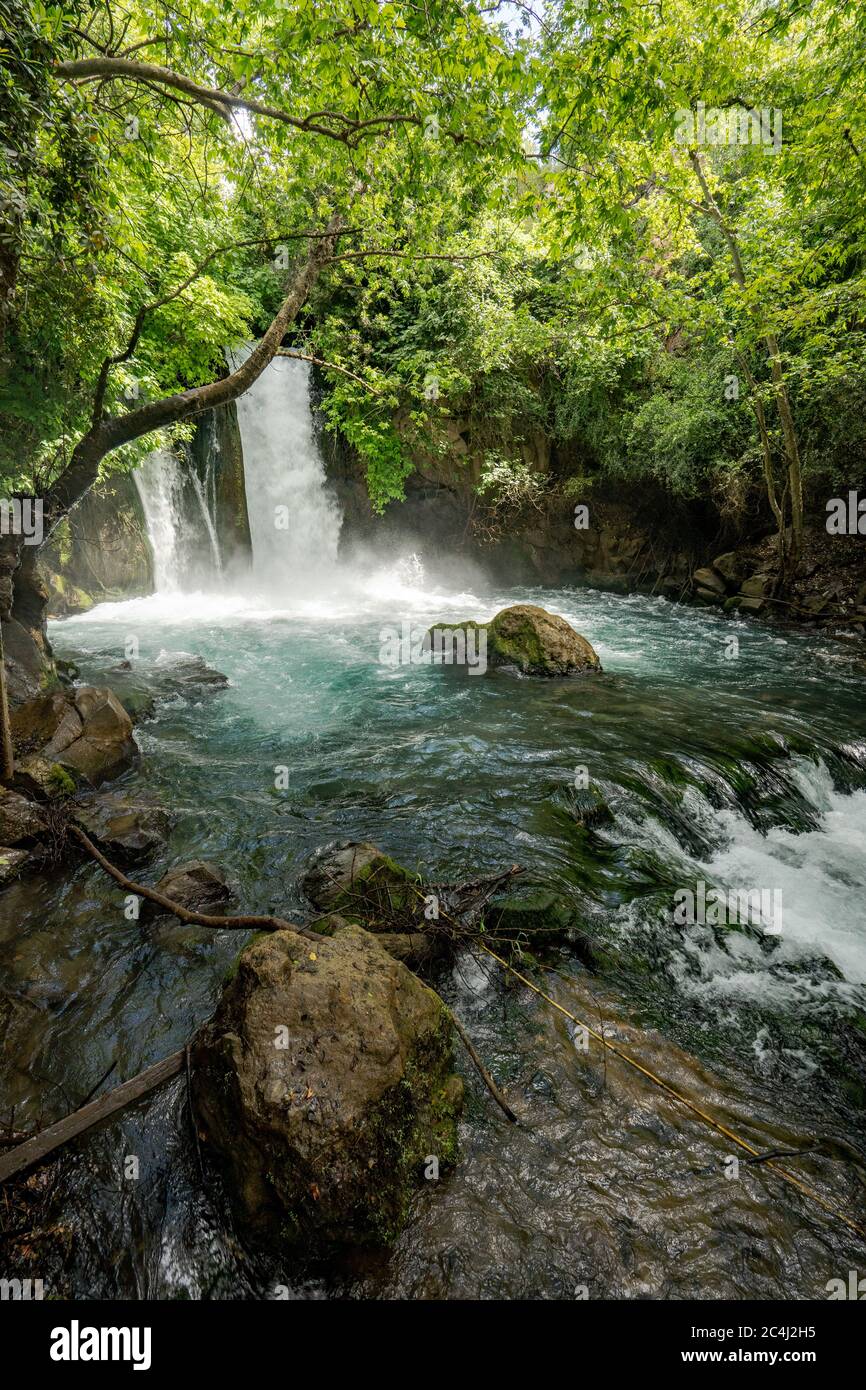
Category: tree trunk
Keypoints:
(7, 757)
(783, 403)
(108, 434)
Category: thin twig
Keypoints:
(481, 1069)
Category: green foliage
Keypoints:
(530, 264)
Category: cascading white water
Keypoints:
(294, 520)
(159, 487)
(179, 526)
(208, 520)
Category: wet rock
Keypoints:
(526, 639)
(731, 567)
(140, 685)
(322, 1084)
(196, 885)
(758, 586)
(67, 599)
(106, 747)
(359, 881)
(182, 671)
(20, 820)
(123, 829)
(708, 579)
(40, 778)
(589, 806)
(67, 671)
(12, 861)
(539, 643)
(49, 723)
(533, 916)
(139, 704)
(85, 731)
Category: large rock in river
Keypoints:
(323, 1083)
(527, 639)
(86, 732)
(123, 828)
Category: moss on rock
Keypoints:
(322, 1084)
(523, 638)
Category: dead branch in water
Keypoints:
(37, 1148)
(267, 923)
(245, 922)
(480, 1067)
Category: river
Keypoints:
(738, 768)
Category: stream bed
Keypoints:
(744, 771)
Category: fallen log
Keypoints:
(42, 1144)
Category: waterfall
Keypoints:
(294, 520)
(208, 520)
(186, 553)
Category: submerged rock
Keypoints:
(142, 685)
(589, 807)
(532, 915)
(358, 880)
(123, 829)
(523, 638)
(196, 885)
(324, 1084)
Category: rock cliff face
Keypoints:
(23, 599)
(628, 542)
(216, 453)
(100, 551)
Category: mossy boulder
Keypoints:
(360, 882)
(526, 639)
(322, 1085)
(40, 778)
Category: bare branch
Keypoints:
(343, 128)
(330, 366)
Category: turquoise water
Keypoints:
(745, 772)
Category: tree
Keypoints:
(699, 149)
(165, 176)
